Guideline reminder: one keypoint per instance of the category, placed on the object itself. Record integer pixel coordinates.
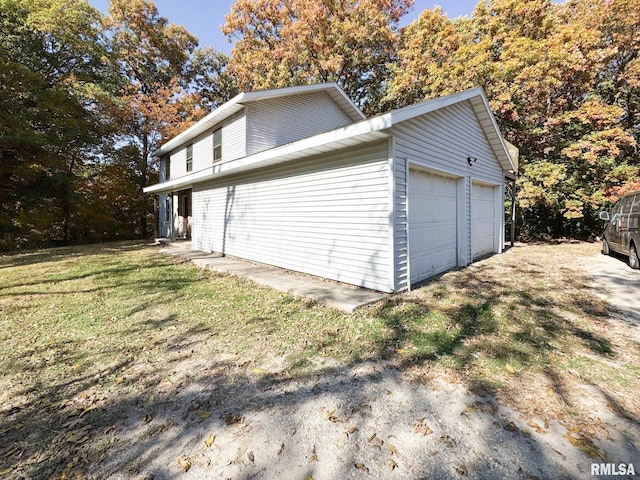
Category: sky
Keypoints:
(204, 18)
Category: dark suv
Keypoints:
(622, 230)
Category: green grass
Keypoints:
(82, 328)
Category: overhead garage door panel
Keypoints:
(432, 224)
(482, 220)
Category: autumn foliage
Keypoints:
(86, 98)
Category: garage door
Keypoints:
(432, 224)
(482, 220)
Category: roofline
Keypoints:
(365, 130)
(234, 105)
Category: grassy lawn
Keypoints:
(93, 335)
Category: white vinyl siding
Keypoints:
(233, 146)
(442, 141)
(234, 132)
(328, 216)
(283, 120)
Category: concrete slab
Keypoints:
(338, 295)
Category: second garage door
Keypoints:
(482, 220)
(433, 206)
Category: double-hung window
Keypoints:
(189, 158)
(217, 146)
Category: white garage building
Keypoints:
(299, 178)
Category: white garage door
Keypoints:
(433, 222)
(482, 220)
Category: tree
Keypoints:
(555, 77)
(50, 72)
(167, 84)
(294, 42)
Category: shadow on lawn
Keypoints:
(63, 430)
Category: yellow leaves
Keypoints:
(510, 368)
(258, 371)
(209, 440)
(5, 471)
(361, 466)
(202, 414)
(185, 463)
(586, 445)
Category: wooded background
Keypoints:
(85, 98)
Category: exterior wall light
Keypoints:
(471, 160)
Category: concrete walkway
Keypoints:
(338, 295)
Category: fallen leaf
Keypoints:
(314, 456)
(185, 464)
(536, 427)
(420, 427)
(392, 450)
(281, 449)
(447, 440)
(5, 471)
(309, 477)
(376, 441)
(587, 446)
(509, 368)
(511, 427)
(202, 414)
(75, 366)
(258, 371)
(209, 440)
(88, 409)
(233, 418)
(468, 410)
(392, 464)
(287, 375)
(250, 456)
(351, 431)
(462, 470)
(361, 466)
(147, 418)
(119, 380)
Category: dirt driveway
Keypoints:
(620, 283)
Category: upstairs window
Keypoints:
(217, 146)
(189, 158)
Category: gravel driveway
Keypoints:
(619, 284)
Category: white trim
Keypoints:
(392, 213)
(237, 103)
(407, 168)
(445, 172)
(356, 133)
(461, 219)
(462, 222)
